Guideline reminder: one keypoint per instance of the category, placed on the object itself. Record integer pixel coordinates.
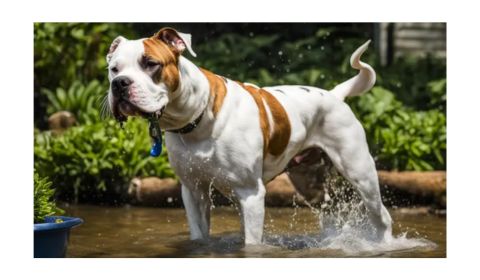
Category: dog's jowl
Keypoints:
(237, 136)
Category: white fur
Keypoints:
(226, 151)
(144, 93)
(361, 83)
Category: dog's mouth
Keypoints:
(122, 109)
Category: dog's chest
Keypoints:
(192, 160)
(206, 162)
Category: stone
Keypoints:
(61, 121)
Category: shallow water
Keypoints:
(289, 232)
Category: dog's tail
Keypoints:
(362, 82)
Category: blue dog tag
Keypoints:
(156, 149)
(156, 134)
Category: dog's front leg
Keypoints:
(252, 210)
(197, 205)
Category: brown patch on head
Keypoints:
(276, 142)
(159, 51)
(218, 90)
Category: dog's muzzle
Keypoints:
(120, 87)
(122, 107)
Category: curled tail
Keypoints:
(362, 82)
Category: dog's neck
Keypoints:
(190, 99)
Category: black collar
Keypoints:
(189, 127)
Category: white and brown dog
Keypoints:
(236, 136)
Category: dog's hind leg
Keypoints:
(197, 204)
(252, 211)
(343, 139)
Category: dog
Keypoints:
(236, 136)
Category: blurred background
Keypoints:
(90, 159)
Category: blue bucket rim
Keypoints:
(49, 225)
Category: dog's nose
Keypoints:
(120, 86)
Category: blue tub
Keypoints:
(51, 238)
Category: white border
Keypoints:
(16, 74)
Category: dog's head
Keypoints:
(144, 74)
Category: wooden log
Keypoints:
(163, 192)
(153, 191)
(432, 183)
(281, 192)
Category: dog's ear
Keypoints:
(176, 40)
(116, 42)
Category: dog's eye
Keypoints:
(114, 69)
(151, 64)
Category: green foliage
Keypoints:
(268, 60)
(43, 204)
(438, 93)
(410, 77)
(68, 52)
(402, 138)
(94, 162)
(84, 101)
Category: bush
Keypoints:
(43, 204)
(401, 138)
(318, 60)
(438, 91)
(84, 101)
(410, 77)
(70, 53)
(95, 162)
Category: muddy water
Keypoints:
(289, 232)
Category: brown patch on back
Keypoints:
(281, 124)
(159, 51)
(264, 123)
(218, 90)
(276, 142)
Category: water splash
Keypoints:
(345, 229)
(348, 242)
